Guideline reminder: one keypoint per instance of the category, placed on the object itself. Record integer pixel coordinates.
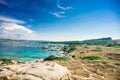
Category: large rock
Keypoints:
(35, 71)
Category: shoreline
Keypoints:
(89, 62)
(54, 50)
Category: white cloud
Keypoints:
(11, 20)
(15, 31)
(61, 7)
(58, 14)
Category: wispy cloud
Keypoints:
(62, 7)
(3, 2)
(58, 14)
(15, 31)
(11, 20)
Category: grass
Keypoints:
(82, 52)
(117, 46)
(92, 58)
(97, 49)
(86, 46)
(97, 62)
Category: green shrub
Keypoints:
(95, 50)
(92, 58)
(62, 58)
(82, 52)
(71, 49)
(51, 57)
(5, 61)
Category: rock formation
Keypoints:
(34, 71)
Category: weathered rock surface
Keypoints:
(34, 71)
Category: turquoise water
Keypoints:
(24, 52)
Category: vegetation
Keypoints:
(92, 58)
(98, 49)
(101, 41)
(99, 64)
(73, 56)
(62, 58)
(113, 45)
(86, 46)
(5, 61)
(82, 52)
(52, 57)
(69, 48)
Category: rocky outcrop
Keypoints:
(35, 71)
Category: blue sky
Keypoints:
(59, 20)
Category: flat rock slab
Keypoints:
(35, 71)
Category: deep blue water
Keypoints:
(23, 51)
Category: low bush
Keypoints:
(52, 57)
(69, 48)
(92, 58)
(62, 58)
(82, 52)
(5, 61)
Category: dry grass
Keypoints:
(107, 69)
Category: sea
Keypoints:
(26, 50)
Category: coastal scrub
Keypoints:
(5, 61)
(53, 57)
(92, 58)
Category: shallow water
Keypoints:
(24, 52)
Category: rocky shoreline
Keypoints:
(34, 71)
(41, 69)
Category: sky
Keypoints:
(59, 20)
